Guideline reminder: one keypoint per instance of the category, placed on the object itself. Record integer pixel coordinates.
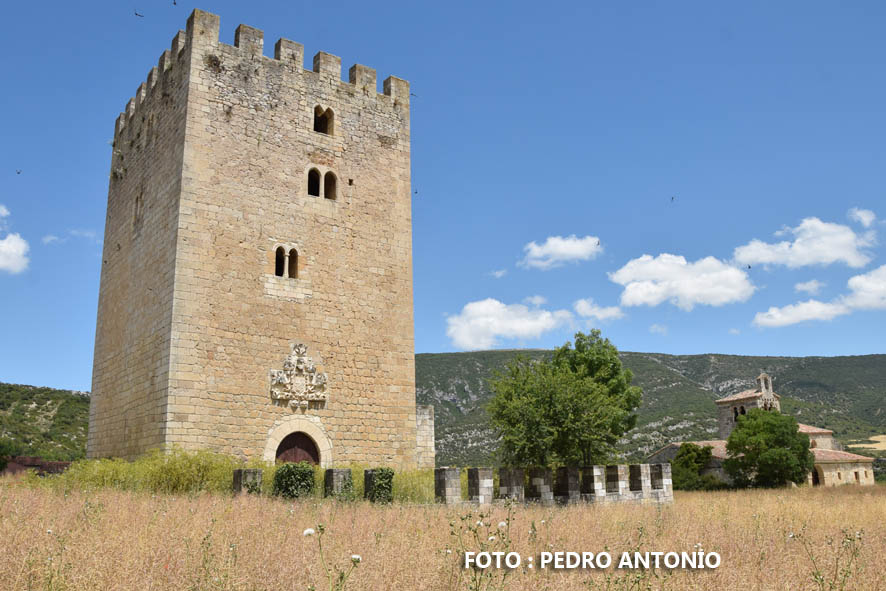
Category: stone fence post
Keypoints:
(338, 482)
(480, 485)
(447, 485)
(248, 480)
(540, 486)
(510, 483)
(568, 485)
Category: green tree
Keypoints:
(7, 450)
(766, 449)
(687, 466)
(570, 409)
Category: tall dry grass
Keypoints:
(121, 540)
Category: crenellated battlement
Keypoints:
(202, 33)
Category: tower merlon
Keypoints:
(203, 27)
(178, 43)
(289, 51)
(362, 76)
(140, 94)
(397, 88)
(328, 64)
(249, 39)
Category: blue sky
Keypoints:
(689, 178)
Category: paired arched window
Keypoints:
(330, 184)
(284, 267)
(324, 120)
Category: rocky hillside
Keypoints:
(44, 422)
(846, 394)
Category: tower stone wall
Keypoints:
(196, 323)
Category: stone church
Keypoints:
(256, 285)
(833, 466)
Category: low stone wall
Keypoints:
(637, 483)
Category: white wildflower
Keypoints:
(491, 538)
(309, 532)
(502, 524)
(479, 524)
(355, 558)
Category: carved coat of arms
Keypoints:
(298, 383)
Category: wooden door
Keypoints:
(298, 447)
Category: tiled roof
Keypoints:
(810, 430)
(743, 395)
(718, 447)
(832, 455)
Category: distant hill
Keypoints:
(44, 422)
(846, 394)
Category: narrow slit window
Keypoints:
(329, 182)
(293, 264)
(324, 120)
(280, 262)
(314, 182)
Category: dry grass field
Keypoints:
(879, 443)
(113, 540)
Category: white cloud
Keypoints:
(868, 291)
(536, 300)
(498, 274)
(649, 281)
(800, 312)
(50, 238)
(87, 234)
(815, 243)
(734, 331)
(811, 287)
(3, 211)
(658, 329)
(865, 217)
(13, 254)
(586, 308)
(557, 251)
(480, 324)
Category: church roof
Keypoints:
(743, 395)
(831, 456)
(810, 430)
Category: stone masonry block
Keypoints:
(447, 485)
(480, 485)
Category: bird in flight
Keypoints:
(18, 171)
(749, 266)
(139, 15)
(673, 198)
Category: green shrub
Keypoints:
(292, 481)
(382, 483)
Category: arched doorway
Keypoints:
(816, 478)
(297, 447)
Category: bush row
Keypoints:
(178, 471)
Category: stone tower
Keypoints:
(256, 286)
(731, 407)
